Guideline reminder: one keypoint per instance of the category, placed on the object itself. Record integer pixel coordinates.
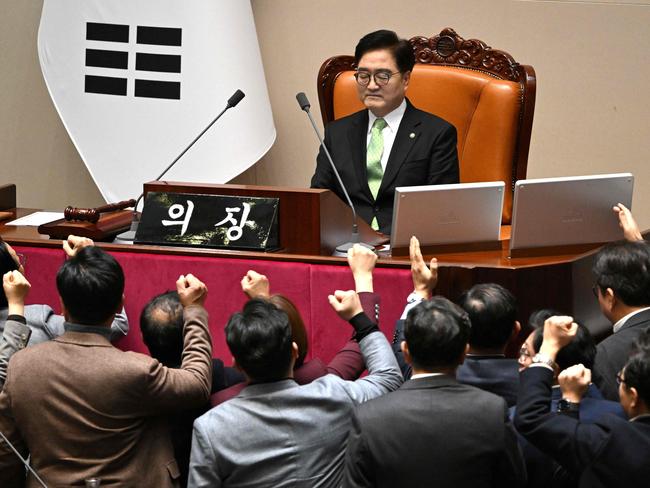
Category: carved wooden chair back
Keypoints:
(483, 92)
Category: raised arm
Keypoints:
(383, 371)
(167, 388)
(425, 279)
(562, 437)
(16, 332)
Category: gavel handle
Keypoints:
(92, 214)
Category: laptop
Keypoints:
(447, 214)
(570, 210)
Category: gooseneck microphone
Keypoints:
(355, 238)
(129, 235)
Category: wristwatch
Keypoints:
(542, 359)
(565, 406)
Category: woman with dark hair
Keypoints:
(348, 363)
(43, 323)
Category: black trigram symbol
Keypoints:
(118, 59)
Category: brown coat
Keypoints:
(82, 408)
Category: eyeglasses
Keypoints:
(619, 377)
(381, 77)
(524, 353)
(22, 259)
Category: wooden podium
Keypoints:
(312, 221)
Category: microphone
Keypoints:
(129, 235)
(24, 461)
(355, 238)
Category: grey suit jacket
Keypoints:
(42, 325)
(281, 434)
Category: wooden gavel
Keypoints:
(92, 214)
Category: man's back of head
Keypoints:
(161, 324)
(492, 310)
(259, 338)
(436, 333)
(90, 285)
(624, 267)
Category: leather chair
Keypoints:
(483, 92)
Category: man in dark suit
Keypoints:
(441, 433)
(622, 271)
(492, 310)
(392, 143)
(599, 454)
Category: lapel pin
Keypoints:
(412, 135)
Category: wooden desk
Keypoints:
(562, 282)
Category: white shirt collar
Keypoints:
(619, 325)
(425, 375)
(392, 119)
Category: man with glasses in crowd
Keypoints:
(392, 143)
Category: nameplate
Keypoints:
(215, 221)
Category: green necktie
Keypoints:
(373, 161)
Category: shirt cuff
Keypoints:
(541, 365)
(362, 325)
(17, 318)
(412, 301)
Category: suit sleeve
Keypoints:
(398, 337)
(203, 464)
(603, 376)
(383, 371)
(348, 363)
(510, 467)
(120, 326)
(14, 337)
(571, 443)
(324, 176)
(165, 388)
(443, 166)
(359, 469)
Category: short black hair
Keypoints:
(161, 324)
(91, 285)
(538, 317)
(7, 263)
(492, 309)
(386, 39)
(259, 338)
(581, 349)
(624, 267)
(436, 332)
(637, 375)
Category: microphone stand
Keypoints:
(355, 238)
(129, 236)
(24, 461)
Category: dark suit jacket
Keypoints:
(601, 454)
(497, 375)
(83, 408)
(433, 432)
(424, 153)
(543, 471)
(613, 353)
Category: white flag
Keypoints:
(134, 81)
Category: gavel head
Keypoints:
(83, 214)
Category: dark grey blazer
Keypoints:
(434, 432)
(424, 153)
(613, 353)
